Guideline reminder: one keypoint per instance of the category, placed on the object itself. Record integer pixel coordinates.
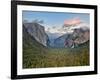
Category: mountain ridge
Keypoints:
(38, 32)
(79, 36)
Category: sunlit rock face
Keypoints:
(38, 32)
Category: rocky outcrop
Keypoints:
(37, 31)
(79, 36)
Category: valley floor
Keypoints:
(56, 57)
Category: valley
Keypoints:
(56, 57)
(38, 53)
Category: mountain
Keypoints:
(32, 50)
(59, 42)
(59, 38)
(38, 32)
(52, 37)
(81, 35)
(29, 43)
(77, 37)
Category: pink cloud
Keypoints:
(73, 21)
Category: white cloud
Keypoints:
(63, 30)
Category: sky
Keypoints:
(57, 19)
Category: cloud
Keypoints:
(71, 22)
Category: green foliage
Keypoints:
(38, 56)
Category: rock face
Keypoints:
(60, 41)
(37, 31)
(79, 36)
